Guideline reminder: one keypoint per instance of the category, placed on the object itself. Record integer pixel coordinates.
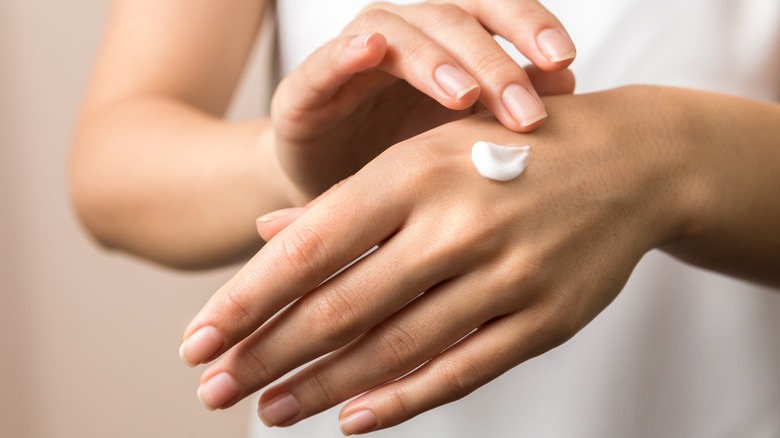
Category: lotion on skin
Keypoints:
(498, 162)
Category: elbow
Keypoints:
(89, 203)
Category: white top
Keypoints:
(681, 352)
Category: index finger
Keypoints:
(299, 259)
(534, 30)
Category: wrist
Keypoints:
(669, 180)
(288, 193)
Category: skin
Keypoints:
(152, 156)
(614, 175)
(348, 92)
(610, 180)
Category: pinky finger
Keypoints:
(271, 224)
(470, 364)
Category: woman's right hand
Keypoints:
(397, 71)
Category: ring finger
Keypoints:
(387, 352)
(505, 88)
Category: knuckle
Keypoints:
(335, 318)
(302, 251)
(459, 376)
(491, 63)
(395, 350)
(560, 319)
(234, 301)
(320, 383)
(448, 14)
(417, 52)
(262, 373)
(425, 164)
(287, 116)
(409, 170)
(372, 15)
(530, 16)
(467, 232)
(376, 5)
(402, 407)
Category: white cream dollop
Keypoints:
(498, 162)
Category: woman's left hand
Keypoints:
(396, 71)
(472, 276)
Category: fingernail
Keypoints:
(274, 215)
(524, 107)
(360, 422)
(360, 41)
(454, 81)
(555, 45)
(201, 345)
(280, 409)
(218, 391)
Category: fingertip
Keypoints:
(280, 410)
(531, 125)
(367, 40)
(367, 51)
(358, 422)
(272, 223)
(200, 346)
(557, 47)
(376, 39)
(523, 109)
(460, 88)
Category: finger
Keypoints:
(336, 313)
(551, 83)
(271, 224)
(303, 255)
(389, 351)
(423, 63)
(534, 30)
(331, 66)
(506, 90)
(324, 76)
(479, 358)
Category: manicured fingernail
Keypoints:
(218, 391)
(360, 41)
(279, 410)
(274, 215)
(455, 82)
(555, 45)
(201, 345)
(526, 108)
(360, 422)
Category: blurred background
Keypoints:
(88, 340)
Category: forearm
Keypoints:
(165, 181)
(734, 188)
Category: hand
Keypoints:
(397, 71)
(502, 271)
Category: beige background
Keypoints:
(88, 340)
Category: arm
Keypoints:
(155, 168)
(516, 268)
(158, 172)
(732, 206)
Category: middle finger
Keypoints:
(328, 318)
(389, 351)
(506, 89)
